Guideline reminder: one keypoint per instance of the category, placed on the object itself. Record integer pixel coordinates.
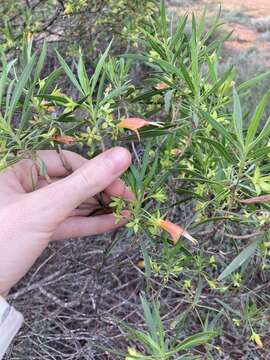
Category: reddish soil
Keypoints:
(255, 8)
(244, 36)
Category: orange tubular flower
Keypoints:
(64, 139)
(136, 123)
(161, 86)
(175, 231)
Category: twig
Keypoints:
(243, 237)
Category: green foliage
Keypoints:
(84, 22)
(154, 342)
(201, 150)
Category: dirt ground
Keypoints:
(249, 20)
(255, 8)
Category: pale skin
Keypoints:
(31, 219)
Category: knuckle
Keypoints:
(83, 178)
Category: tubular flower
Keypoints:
(175, 231)
(64, 139)
(136, 123)
(161, 86)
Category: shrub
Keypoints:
(195, 148)
(68, 23)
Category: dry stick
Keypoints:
(34, 184)
(63, 159)
(256, 200)
(57, 301)
(34, 286)
(101, 267)
(243, 237)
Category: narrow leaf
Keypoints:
(238, 117)
(244, 256)
(256, 119)
(69, 73)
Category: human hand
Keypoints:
(59, 210)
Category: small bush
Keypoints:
(201, 159)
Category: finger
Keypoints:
(119, 189)
(54, 164)
(41, 182)
(81, 212)
(57, 200)
(81, 226)
(91, 202)
(27, 171)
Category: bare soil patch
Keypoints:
(255, 8)
(245, 35)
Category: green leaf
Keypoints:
(146, 158)
(150, 132)
(114, 94)
(19, 87)
(163, 18)
(41, 61)
(192, 193)
(3, 79)
(148, 316)
(53, 98)
(219, 128)
(186, 76)
(147, 260)
(100, 90)
(219, 83)
(262, 135)
(43, 171)
(238, 117)
(50, 79)
(69, 73)
(194, 57)
(82, 75)
(138, 179)
(244, 256)
(146, 340)
(212, 67)
(151, 173)
(213, 28)
(256, 119)
(178, 34)
(220, 148)
(252, 82)
(99, 67)
(65, 116)
(196, 340)
(154, 43)
(147, 95)
(260, 153)
(26, 106)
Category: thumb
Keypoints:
(57, 200)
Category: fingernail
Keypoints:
(129, 195)
(125, 213)
(119, 159)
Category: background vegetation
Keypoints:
(69, 80)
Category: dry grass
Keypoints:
(71, 298)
